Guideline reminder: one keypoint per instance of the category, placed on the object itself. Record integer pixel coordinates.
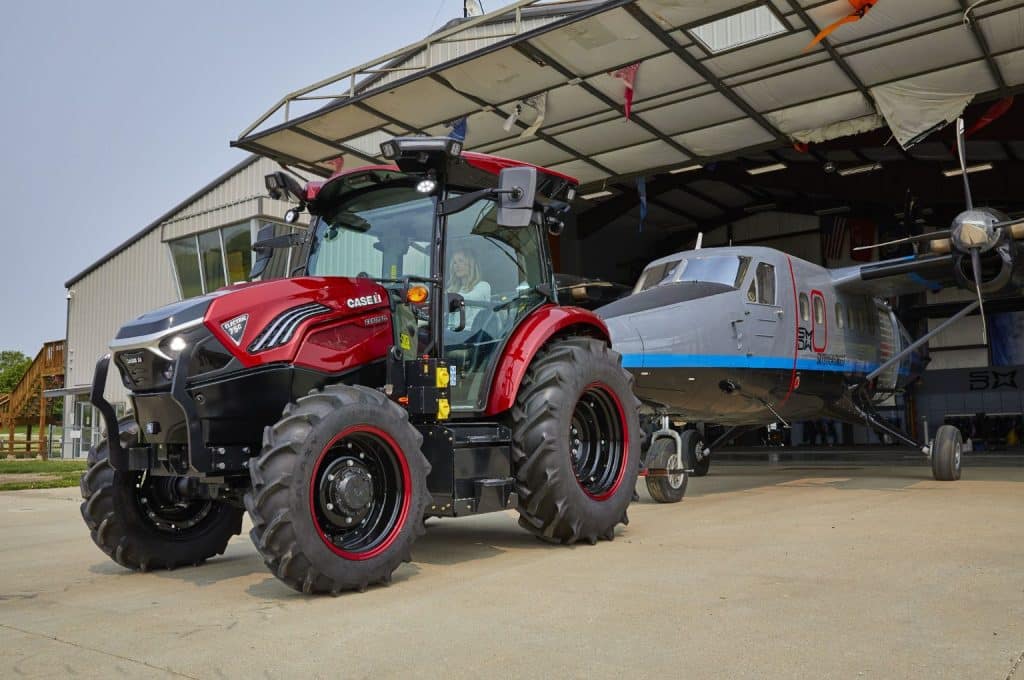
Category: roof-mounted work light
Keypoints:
(418, 154)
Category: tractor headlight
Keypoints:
(177, 343)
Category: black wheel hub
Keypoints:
(597, 442)
(168, 506)
(346, 491)
(359, 491)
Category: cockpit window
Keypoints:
(658, 274)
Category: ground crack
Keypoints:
(105, 653)
(1016, 665)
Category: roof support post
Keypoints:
(983, 44)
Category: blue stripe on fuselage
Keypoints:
(733, 361)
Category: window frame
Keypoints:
(194, 237)
(804, 305)
(755, 283)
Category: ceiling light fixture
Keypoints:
(685, 168)
(859, 169)
(971, 169)
(762, 169)
(596, 194)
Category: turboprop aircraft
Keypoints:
(749, 336)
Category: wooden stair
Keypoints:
(27, 404)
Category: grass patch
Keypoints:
(60, 473)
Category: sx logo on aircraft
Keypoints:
(804, 339)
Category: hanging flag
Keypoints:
(641, 189)
(337, 164)
(517, 111)
(539, 104)
(860, 8)
(627, 74)
(459, 128)
(834, 232)
(862, 233)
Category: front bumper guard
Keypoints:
(199, 456)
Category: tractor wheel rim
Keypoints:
(360, 493)
(165, 510)
(598, 445)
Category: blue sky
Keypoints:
(114, 111)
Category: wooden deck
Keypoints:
(27, 405)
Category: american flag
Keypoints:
(834, 233)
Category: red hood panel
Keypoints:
(240, 314)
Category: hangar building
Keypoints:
(738, 128)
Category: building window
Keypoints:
(213, 259)
(186, 261)
(805, 307)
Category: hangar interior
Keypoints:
(722, 119)
(811, 127)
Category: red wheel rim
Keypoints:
(360, 492)
(599, 441)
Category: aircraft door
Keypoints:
(763, 318)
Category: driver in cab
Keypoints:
(464, 279)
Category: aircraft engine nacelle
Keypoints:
(997, 269)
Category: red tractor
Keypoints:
(417, 365)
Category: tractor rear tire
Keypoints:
(947, 451)
(138, 527)
(575, 442)
(663, 456)
(339, 491)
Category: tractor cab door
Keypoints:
(496, 272)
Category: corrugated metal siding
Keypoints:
(235, 200)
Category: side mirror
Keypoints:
(265, 244)
(263, 254)
(518, 187)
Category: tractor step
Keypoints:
(490, 495)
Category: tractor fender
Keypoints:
(532, 334)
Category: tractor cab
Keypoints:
(438, 221)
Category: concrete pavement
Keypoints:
(796, 571)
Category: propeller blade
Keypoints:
(934, 236)
(1008, 223)
(976, 266)
(961, 150)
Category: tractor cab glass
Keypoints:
(496, 271)
(382, 232)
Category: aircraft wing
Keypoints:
(899, 276)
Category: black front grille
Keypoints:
(282, 328)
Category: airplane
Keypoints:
(750, 336)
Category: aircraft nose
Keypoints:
(625, 338)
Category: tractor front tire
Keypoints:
(339, 491)
(576, 442)
(137, 521)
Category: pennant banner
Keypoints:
(627, 74)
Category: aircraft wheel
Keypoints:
(672, 488)
(947, 451)
(692, 443)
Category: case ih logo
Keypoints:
(364, 300)
(235, 327)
